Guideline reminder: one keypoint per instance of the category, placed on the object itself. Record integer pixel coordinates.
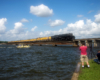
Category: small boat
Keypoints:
(23, 46)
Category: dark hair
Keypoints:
(83, 43)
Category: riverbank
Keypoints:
(92, 73)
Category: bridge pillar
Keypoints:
(94, 43)
(79, 43)
(99, 44)
(86, 43)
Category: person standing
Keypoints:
(83, 56)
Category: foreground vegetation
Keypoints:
(92, 73)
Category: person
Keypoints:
(98, 56)
(83, 56)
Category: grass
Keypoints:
(92, 73)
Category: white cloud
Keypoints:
(18, 25)
(24, 20)
(41, 33)
(79, 15)
(2, 25)
(78, 24)
(17, 28)
(97, 18)
(41, 10)
(80, 29)
(56, 23)
(33, 28)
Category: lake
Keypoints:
(39, 62)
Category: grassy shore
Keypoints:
(92, 73)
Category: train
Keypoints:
(61, 37)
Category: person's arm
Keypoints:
(96, 56)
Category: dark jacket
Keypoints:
(98, 55)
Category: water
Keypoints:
(38, 62)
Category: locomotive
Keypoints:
(63, 37)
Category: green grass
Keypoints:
(92, 73)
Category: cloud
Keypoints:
(18, 25)
(2, 25)
(17, 28)
(14, 34)
(24, 20)
(33, 28)
(56, 23)
(41, 10)
(97, 18)
(19, 33)
(79, 15)
(90, 11)
(81, 29)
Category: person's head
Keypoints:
(83, 44)
(98, 51)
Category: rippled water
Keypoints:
(38, 62)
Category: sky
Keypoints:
(29, 19)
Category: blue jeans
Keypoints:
(96, 60)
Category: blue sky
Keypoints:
(27, 19)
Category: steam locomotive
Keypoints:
(63, 37)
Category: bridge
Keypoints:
(94, 42)
(40, 43)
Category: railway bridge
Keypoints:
(94, 42)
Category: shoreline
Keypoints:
(76, 72)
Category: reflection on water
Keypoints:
(38, 62)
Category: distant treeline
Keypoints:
(3, 41)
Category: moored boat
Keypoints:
(23, 46)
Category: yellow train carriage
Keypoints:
(28, 40)
(45, 38)
(42, 38)
(24, 40)
(20, 41)
(49, 38)
(32, 39)
(38, 39)
(15, 41)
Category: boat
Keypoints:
(23, 46)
